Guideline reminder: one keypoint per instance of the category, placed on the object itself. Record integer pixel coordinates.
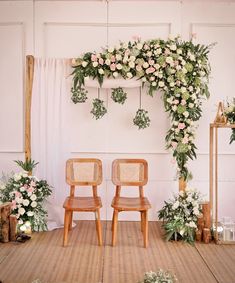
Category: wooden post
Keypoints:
(206, 214)
(13, 227)
(206, 235)
(5, 211)
(28, 99)
(182, 184)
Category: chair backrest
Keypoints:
(84, 172)
(130, 172)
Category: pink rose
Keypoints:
(25, 186)
(185, 140)
(32, 184)
(127, 52)
(30, 190)
(183, 102)
(181, 126)
(93, 58)
(138, 68)
(113, 59)
(113, 67)
(150, 70)
(146, 47)
(101, 61)
(18, 194)
(176, 101)
(151, 62)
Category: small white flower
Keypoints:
(145, 65)
(95, 64)
(131, 64)
(129, 75)
(119, 66)
(118, 57)
(21, 211)
(22, 228)
(110, 49)
(22, 189)
(25, 175)
(17, 177)
(132, 58)
(84, 64)
(179, 51)
(34, 204)
(25, 202)
(18, 200)
(107, 62)
(156, 66)
(172, 84)
(186, 114)
(154, 83)
(33, 197)
(175, 205)
(191, 105)
(161, 84)
(169, 60)
(115, 74)
(30, 213)
(20, 221)
(159, 51)
(173, 47)
(101, 71)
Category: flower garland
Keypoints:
(180, 215)
(27, 194)
(180, 69)
(229, 112)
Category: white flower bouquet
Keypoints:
(180, 215)
(27, 194)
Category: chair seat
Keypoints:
(82, 203)
(131, 204)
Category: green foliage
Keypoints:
(180, 216)
(27, 165)
(79, 94)
(160, 276)
(141, 119)
(98, 109)
(118, 95)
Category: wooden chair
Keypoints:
(130, 172)
(82, 172)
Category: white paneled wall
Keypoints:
(65, 29)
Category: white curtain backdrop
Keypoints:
(50, 139)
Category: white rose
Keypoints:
(132, 58)
(192, 57)
(159, 51)
(179, 51)
(131, 64)
(161, 84)
(25, 175)
(183, 89)
(115, 74)
(21, 211)
(119, 66)
(160, 76)
(174, 108)
(139, 45)
(101, 71)
(172, 84)
(110, 49)
(30, 213)
(22, 189)
(173, 47)
(118, 57)
(20, 221)
(145, 65)
(22, 228)
(84, 64)
(33, 197)
(34, 204)
(156, 66)
(18, 200)
(25, 202)
(186, 114)
(190, 88)
(17, 177)
(107, 62)
(125, 45)
(95, 64)
(169, 60)
(191, 105)
(154, 83)
(129, 75)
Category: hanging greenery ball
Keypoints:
(118, 95)
(79, 94)
(98, 109)
(141, 119)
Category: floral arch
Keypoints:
(180, 69)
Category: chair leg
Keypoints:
(114, 228)
(98, 226)
(145, 215)
(142, 221)
(112, 221)
(66, 227)
(71, 220)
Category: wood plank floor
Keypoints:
(83, 261)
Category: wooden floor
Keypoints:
(83, 261)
